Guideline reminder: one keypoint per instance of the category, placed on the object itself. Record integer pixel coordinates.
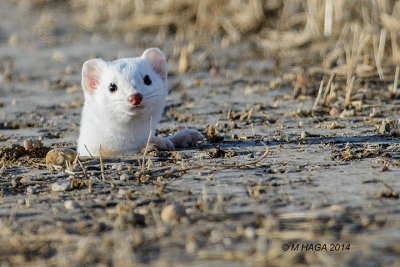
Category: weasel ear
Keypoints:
(91, 71)
(157, 61)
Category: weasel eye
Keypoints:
(147, 80)
(113, 87)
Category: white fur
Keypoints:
(107, 118)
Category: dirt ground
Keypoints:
(328, 185)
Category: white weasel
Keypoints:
(122, 99)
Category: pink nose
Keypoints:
(135, 99)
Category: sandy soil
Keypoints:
(327, 180)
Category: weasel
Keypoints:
(124, 101)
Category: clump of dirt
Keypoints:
(218, 152)
(15, 152)
(357, 152)
(212, 136)
(12, 125)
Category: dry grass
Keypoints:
(344, 37)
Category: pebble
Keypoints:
(61, 186)
(250, 232)
(30, 144)
(71, 205)
(21, 201)
(94, 179)
(124, 177)
(347, 113)
(31, 190)
(304, 134)
(191, 246)
(121, 193)
(27, 179)
(172, 212)
(334, 111)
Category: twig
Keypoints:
(142, 167)
(378, 51)
(328, 88)
(328, 18)
(101, 165)
(204, 199)
(82, 167)
(349, 91)
(321, 87)
(3, 168)
(396, 79)
(88, 151)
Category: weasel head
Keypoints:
(126, 88)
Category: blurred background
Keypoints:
(346, 37)
(338, 30)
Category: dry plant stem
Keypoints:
(252, 129)
(381, 51)
(3, 167)
(395, 48)
(142, 167)
(328, 18)
(377, 58)
(328, 88)
(396, 79)
(90, 188)
(204, 199)
(349, 91)
(12, 216)
(101, 165)
(88, 151)
(321, 87)
(82, 167)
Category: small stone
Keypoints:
(58, 56)
(69, 69)
(31, 190)
(334, 111)
(227, 241)
(172, 212)
(250, 233)
(94, 179)
(121, 193)
(73, 89)
(191, 246)
(304, 134)
(30, 144)
(124, 177)
(27, 179)
(347, 113)
(61, 186)
(21, 201)
(71, 205)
